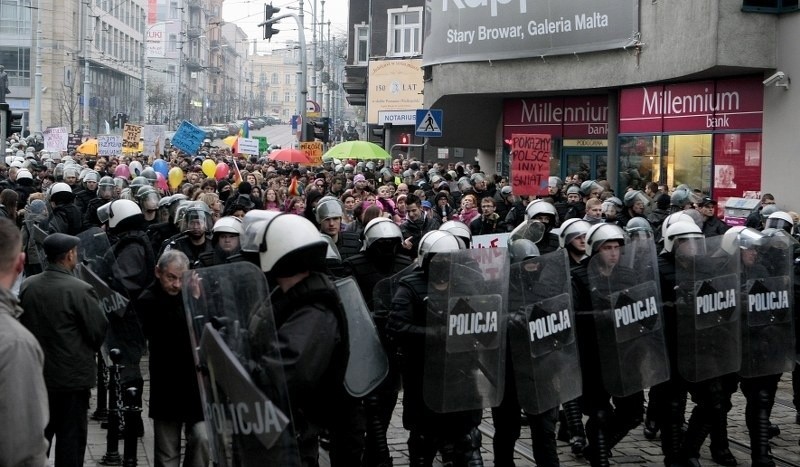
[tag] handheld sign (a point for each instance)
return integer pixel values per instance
(530, 164)
(188, 138)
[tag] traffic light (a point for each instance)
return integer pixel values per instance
(322, 129)
(310, 131)
(13, 120)
(269, 12)
(404, 138)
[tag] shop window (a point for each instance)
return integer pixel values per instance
(640, 161)
(689, 161)
(770, 6)
(737, 165)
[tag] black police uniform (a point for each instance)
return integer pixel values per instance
(430, 431)
(369, 268)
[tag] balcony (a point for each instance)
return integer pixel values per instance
(194, 33)
(193, 64)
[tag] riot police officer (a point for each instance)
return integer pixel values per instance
(507, 416)
(544, 212)
(105, 193)
(594, 282)
(290, 251)
(225, 237)
(132, 272)
(379, 262)
(195, 226)
(429, 431)
(88, 191)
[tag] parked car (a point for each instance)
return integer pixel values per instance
(210, 132)
(220, 131)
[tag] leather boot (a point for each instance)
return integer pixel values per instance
(376, 451)
(563, 433)
(421, 450)
(543, 440)
(700, 424)
(720, 450)
(577, 434)
(468, 450)
(757, 417)
(597, 434)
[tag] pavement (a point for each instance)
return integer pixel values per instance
(635, 449)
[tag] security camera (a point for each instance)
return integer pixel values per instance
(776, 79)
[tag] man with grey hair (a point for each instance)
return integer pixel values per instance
(174, 391)
(64, 314)
(21, 367)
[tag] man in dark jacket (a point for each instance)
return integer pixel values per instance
(64, 314)
(489, 222)
(712, 225)
(416, 225)
(65, 216)
(174, 391)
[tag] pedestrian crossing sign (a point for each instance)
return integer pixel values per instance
(428, 123)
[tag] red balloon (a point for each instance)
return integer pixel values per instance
(222, 171)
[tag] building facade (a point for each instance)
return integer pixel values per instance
(630, 91)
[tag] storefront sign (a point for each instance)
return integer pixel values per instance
(721, 105)
(394, 85)
(465, 31)
(570, 117)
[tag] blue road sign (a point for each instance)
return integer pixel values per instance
(429, 123)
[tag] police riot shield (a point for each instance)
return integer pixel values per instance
(367, 364)
(707, 305)
(466, 339)
(542, 333)
(768, 340)
(243, 387)
(632, 350)
(529, 230)
(95, 263)
(384, 291)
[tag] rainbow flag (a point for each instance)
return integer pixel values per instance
(244, 132)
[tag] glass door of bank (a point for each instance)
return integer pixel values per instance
(590, 164)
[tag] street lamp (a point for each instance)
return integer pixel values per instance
(142, 90)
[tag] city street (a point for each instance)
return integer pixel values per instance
(635, 449)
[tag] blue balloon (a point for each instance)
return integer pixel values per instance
(161, 166)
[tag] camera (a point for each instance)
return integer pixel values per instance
(776, 79)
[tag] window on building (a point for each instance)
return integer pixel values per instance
(173, 10)
(640, 161)
(172, 74)
(275, 79)
(287, 97)
(17, 62)
(288, 79)
(172, 43)
(15, 17)
(405, 32)
(770, 6)
(361, 45)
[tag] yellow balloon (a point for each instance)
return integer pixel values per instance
(209, 168)
(175, 177)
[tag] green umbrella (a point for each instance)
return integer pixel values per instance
(362, 150)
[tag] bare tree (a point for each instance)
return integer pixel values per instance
(159, 101)
(69, 111)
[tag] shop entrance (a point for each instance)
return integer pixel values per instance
(591, 164)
